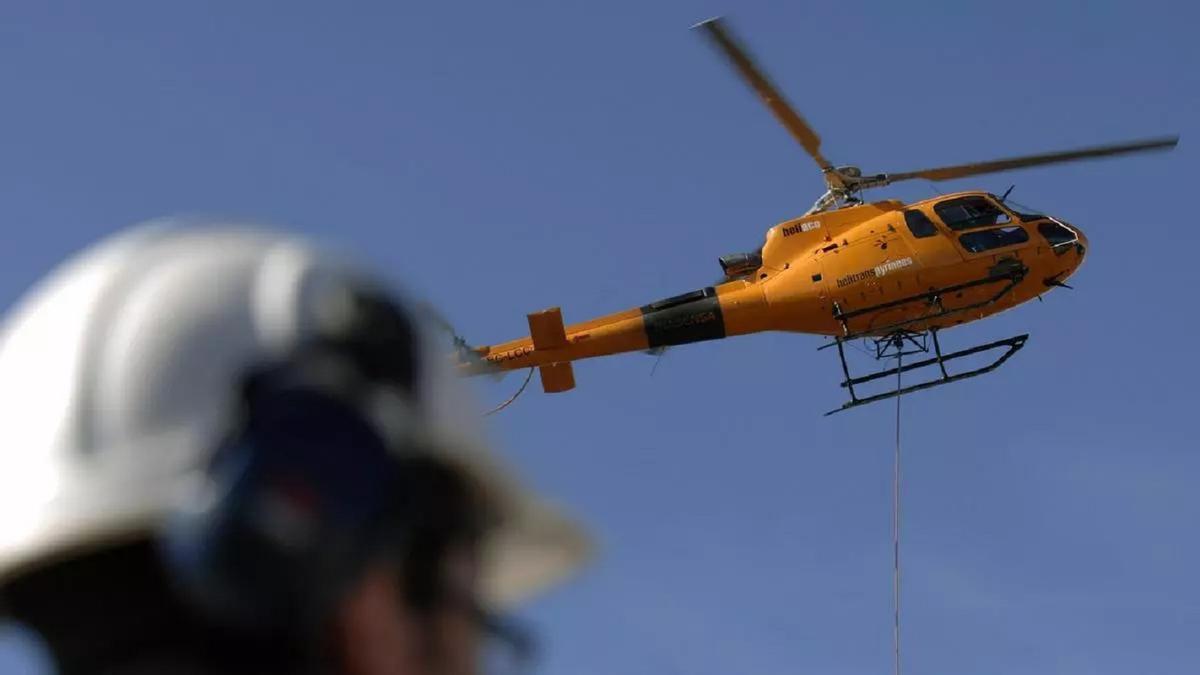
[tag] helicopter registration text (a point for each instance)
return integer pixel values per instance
(510, 354)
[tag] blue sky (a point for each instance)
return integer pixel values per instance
(504, 158)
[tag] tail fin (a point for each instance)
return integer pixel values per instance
(548, 333)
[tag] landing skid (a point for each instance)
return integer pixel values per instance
(904, 343)
(898, 341)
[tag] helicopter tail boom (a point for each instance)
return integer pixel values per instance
(705, 314)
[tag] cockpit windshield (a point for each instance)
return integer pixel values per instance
(965, 213)
(1058, 235)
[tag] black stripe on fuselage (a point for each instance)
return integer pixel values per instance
(691, 317)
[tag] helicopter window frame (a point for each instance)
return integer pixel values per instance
(992, 238)
(972, 216)
(919, 224)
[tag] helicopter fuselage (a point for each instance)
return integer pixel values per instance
(925, 265)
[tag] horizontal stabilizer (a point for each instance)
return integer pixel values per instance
(547, 332)
(557, 377)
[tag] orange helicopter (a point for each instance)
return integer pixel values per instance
(887, 271)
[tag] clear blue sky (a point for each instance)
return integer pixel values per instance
(504, 157)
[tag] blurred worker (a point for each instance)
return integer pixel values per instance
(225, 450)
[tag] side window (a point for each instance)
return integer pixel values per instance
(919, 224)
(965, 213)
(999, 237)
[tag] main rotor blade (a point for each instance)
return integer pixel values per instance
(787, 116)
(977, 168)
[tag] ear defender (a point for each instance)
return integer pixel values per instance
(295, 500)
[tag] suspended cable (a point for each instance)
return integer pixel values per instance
(658, 354)
(896, 525)
(502, 406)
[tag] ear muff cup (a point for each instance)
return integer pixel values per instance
(298, 497)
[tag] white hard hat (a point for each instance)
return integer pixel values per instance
(117, 374)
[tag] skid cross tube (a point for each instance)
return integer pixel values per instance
(1014, 344)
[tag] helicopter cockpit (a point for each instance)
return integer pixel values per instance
(982, 222)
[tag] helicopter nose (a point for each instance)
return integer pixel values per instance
(1063, 235)
(1081, 245)
(1069, 245)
